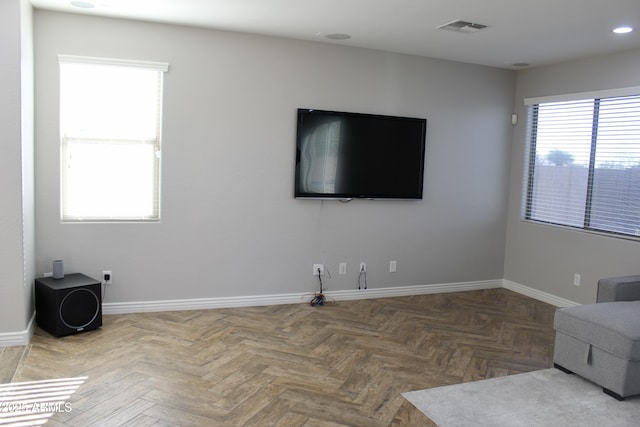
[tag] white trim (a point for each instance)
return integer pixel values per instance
(152, 65)
(11, 339)
(401, 291)
(607, 93)
(293, 298)
(539, 295)
(24, 337)
(201, 303)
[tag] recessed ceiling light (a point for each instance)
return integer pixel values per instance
(520, 64)
(83, 4)
(622, 30)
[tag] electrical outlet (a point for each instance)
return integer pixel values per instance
(107, 277)
(576, 280)
(393, 265)
(342, 268)
(317, 267)
(363, 267)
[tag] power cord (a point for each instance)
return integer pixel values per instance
(104, 292)
(318, 298)
(106, 277)
(363, 274)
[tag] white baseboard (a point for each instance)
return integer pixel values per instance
(401, 291)
(539, 295)
(11, 339)
(296, 298)
(293, 298)
(201, 303)
(24, 337)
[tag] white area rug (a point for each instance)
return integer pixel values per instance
(542, 398)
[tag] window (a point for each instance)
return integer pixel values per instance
(583, 162)
(110, 122)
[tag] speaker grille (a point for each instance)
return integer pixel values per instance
(79, 308)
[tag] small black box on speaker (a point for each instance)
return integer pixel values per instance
(69, 305)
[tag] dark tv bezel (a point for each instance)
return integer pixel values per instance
(350, 196)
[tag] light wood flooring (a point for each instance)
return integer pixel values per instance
(342, 364)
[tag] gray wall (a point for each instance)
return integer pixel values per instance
(17, 251)
(547, 257)
(230, 226)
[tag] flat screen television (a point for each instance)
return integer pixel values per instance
(347, 156)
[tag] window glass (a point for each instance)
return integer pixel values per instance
(110, 122)
(584, 164)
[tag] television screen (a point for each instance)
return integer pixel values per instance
(351, 155)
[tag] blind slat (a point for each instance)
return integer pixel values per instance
(583, 163)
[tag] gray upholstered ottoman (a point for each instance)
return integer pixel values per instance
(601, 342)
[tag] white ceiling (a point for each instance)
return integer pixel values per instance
(537, 32)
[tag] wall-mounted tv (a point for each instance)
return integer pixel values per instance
(343, 155)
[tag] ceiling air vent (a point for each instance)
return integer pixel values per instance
(460, 26)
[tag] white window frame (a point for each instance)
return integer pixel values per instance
(71, 139)
(615, 220)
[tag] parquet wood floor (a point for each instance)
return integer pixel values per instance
(343, 364)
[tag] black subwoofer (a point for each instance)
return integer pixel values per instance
(69, 305)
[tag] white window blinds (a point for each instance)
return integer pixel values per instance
(110, 125)
(583, 162)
